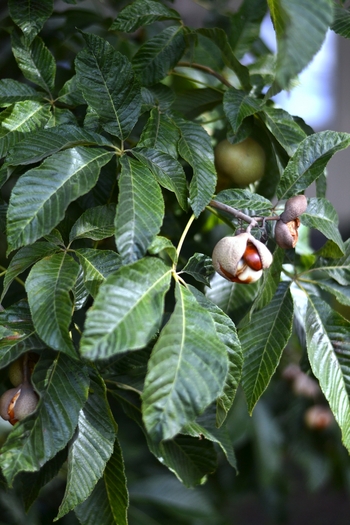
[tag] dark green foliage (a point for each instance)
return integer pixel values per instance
(109, 214)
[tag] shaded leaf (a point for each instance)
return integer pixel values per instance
(227, 334)
(309, 161)
(140, 210)
(21, 118)
(63, 386)
(48, 285)
(321, 215)
(159, 55)
(97, 265)
(95, 223)
(263, 341)
(338, 269)
(161, 244)
(12, 91)
(200, 267)
(108, 503)
(341, 293)
(160, 134)
(91, 447)
(195, 148)
(30, 15)
(251, 203)
(141, 13)
(128, 309)
(284, 128)
(187, 369)
(219, 37)
(167, 170)
(44, 142)
(245, 26)
(271, 279)
(57, 182)
(341, 21)
(238, 105)
(157, 96)
(23, 259)
(35, 61)
(107, 82)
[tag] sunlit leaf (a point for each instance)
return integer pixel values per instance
(107, 82)
(140, 210)
(95, 223)
(30, 15)
(48, 285)
(321, 215)
(128, 309)
(187, 369)
(58, 181)
(263, 341)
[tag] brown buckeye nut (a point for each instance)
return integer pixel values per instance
(318, 417)
(293, 208)
(18, 402)
(286, 234)
(241, 258)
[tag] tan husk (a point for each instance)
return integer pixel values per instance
(286, 234)
(293, 207)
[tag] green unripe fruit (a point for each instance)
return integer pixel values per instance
(241, 163)
(15, 373)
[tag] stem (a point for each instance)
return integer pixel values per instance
(4, 270)
(183, 236)
(206, 69)
(252, 221)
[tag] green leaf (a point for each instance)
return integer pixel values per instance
(271, 279)
(205, 426)
(23, 259)
(108, 503)
(301, 27)
(44, 142)
(35, 61)
(159, 55)
(12, 91)
(341, 21)
(327, 336)
(163, 244)
(338, 269)
(200, 267)
(167, 170)
(219, 37)
(251, 203)
(62, 383)
(108, 84)
(238, 105)
(91, 447)
(57, 182)
(233, 298)
(71, 93)
(284, 128)
(48, 285)
(190, 458)
(30, 15)
(227, 334)
(17, 334)
(97, 265)
(95, 223)
(263, 340)
(195, 148)
(321, 215)
(160, 133)
(141, 13)
(245, 26)
(187, 369)
(309, 161)
(22, 117)
(194, 102)
(32, 482)
(158, 96)
(341, 293)
(140, 210)
(128, 309)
